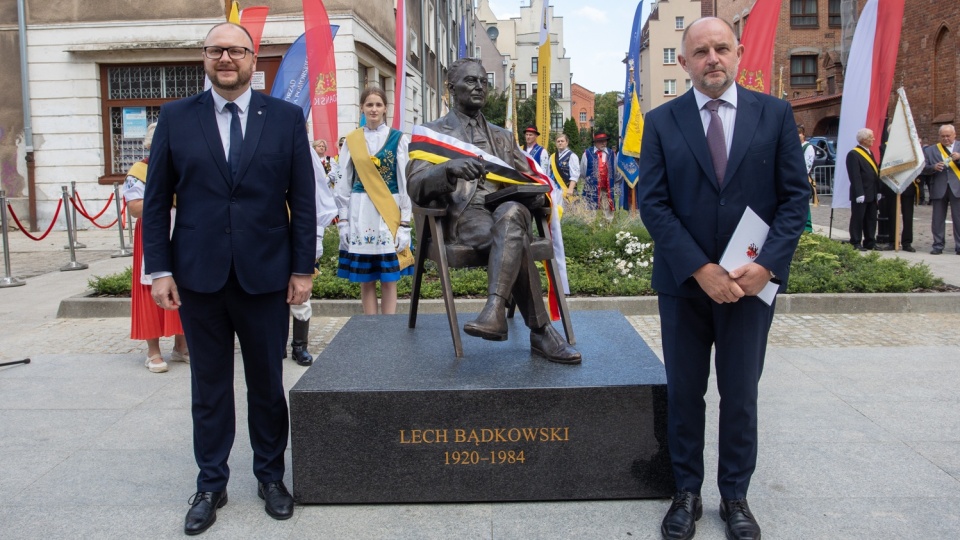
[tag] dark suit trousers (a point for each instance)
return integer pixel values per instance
(886, 215)
(259, 321)
(738, 331)
(863, 223)
(907, 201)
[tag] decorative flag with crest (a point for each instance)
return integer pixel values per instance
(400, 81)
(757, 40)
(292, 82)
(868, 82)
(543, 79)
(323, 72)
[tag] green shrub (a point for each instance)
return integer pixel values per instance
(615, 259)
(112, 285)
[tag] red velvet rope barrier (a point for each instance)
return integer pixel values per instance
(84, 208)
(24, 229)
(91, 219)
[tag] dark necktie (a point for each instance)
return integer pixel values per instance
(236, 139)
(716, 141)
(477, 137)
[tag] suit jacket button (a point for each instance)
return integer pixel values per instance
(723, 202)
(227, 230)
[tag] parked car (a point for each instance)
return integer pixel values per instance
(824, 163)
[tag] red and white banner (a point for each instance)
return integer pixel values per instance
(867, 85)
(323, 73)
(756, 66)
(253, 19)
(400, 82)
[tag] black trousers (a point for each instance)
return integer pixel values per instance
(259, 321)
(907, 201)
(886, 215)
(863, 223)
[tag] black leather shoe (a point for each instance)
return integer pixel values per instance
(909, 249)
(741, 525)
(279, 502)
(203, 510)
(491, 324)
(680, 523)
(936, 251)
(883, 247)
(548, 343)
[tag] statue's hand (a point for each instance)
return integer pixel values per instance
(466, 168)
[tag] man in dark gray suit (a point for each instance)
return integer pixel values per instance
(944, 174)
(505, 232)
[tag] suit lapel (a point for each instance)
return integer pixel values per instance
(748, 117)
(256, 118)
(687, 114)
(207, 117)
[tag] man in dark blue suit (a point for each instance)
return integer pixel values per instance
(236, 160)
(707, 156)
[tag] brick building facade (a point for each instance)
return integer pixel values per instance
(582, 102)
(808, 49)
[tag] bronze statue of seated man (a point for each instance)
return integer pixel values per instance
(504, 232)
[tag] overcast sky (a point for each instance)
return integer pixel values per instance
(596, 37)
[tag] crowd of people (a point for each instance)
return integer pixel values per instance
(873, 204)
(233, 205)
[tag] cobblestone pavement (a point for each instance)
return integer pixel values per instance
(843, 330)
(112, 335)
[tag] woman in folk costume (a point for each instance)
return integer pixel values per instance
(148, 321)
(374, 208)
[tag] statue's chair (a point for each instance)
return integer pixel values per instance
(429, 224)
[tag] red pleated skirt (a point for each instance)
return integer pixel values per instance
(147, 319)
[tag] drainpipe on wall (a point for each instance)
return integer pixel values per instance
(27, 119)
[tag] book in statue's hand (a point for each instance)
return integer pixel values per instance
(529, 195)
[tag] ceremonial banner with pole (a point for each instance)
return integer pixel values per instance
(543, 80)
(323, 73)
(903, 157)
(631, 128)
(400, 82)
(756, 66)
(511, 118)
(867, 84)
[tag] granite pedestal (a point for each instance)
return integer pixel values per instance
(387, 414)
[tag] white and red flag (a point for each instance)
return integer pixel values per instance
(867, 86)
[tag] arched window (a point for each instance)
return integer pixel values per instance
(944, 77)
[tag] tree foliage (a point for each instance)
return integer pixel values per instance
(606, 117)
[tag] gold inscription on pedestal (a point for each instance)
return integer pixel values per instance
(486, 436)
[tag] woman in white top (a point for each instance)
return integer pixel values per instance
(368, 249)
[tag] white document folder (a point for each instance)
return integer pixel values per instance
(745, 245)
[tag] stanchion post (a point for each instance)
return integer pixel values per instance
(73, 209)
(8, 280)
(73, 264)
(129, 227)
(124, 251)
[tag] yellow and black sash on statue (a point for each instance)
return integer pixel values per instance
(377, 189)
(952, 164)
